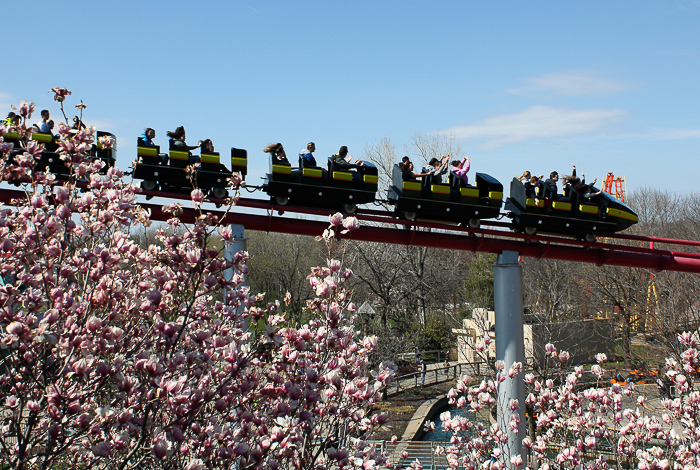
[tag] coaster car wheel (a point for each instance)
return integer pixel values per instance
(350, 207)
(219, 192)
(281, 200)
(474, 223)
(530, 230)
(409, 215)
(149, 185)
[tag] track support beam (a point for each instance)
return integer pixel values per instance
(510, 345)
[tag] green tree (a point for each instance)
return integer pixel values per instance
(477, 288)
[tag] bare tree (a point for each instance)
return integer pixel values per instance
(552, 289)
(424, 147)
(384, 155)
(669, 298)
(421, 149)
(380, 273)
(280, 264)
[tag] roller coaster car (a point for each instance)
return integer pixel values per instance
(453, 202)
(581, 217)
(50, 160)
(169, 172)
(312, 186)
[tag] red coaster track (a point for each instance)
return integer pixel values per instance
(382, 227)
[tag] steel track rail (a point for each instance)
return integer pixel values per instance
(395, 231)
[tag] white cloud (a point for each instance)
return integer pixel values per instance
(536, 122)
(572, 83)
(674, 134)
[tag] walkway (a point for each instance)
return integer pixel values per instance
(436, 373)
(407, 451)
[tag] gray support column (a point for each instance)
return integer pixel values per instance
(510, 344)
(239, 243)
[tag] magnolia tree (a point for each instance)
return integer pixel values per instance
(116, 355)
(581, 419)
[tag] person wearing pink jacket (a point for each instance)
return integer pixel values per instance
(460, 169)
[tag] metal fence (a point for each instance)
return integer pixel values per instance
(426, 452)
(405, 452)
(436, 374)
(434, 355)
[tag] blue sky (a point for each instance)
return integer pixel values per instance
(536, 85)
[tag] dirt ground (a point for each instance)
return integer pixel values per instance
(402, 406)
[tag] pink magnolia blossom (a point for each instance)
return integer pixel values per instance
(34, 148)
(15, 328)
(236, 179)
(25, 109)
(161, 448)
(350, 224)
(226, 233)
(106, 141)
(336, 219)
(550, 349)
(102, 449)
(197, 196)
(515, 369)
(60, 94)
(147, 351)
(144, 351)
(196, 464)
(334, 265)
(64, 130)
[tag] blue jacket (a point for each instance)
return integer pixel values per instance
(144, 140)
(309, 159)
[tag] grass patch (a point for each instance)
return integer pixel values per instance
(394, 408)
(651, 355)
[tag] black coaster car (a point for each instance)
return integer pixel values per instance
(582, 217)
(50, 161)
(452, 202)
(169, 173)
(313, 186)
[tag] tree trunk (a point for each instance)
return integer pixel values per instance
(421, 310)
(532, 427)
(626, 336)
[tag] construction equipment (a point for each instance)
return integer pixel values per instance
(620, 186)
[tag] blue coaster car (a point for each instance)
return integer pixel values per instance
(313, 186)
(50, 160)
(452, 202)
(582, 217)
(171, 173)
